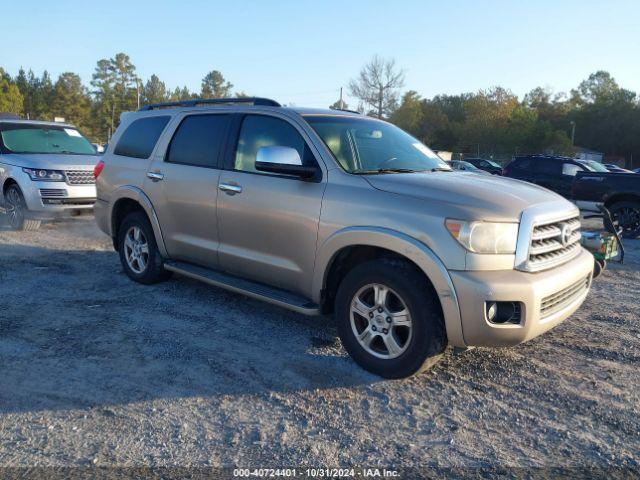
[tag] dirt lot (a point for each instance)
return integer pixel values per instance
(96, 369)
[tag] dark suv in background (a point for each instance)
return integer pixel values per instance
(587, 183)
(555, 173)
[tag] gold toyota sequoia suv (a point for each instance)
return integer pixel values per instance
(332, 212)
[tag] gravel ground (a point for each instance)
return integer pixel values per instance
(98, 370)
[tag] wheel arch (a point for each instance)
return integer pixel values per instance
(621, 197)
(128, 199)
(343, 243)
(7, 183)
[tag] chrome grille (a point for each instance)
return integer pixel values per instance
(52, 192)
(80, 177)
(554, 243)
(565, 297)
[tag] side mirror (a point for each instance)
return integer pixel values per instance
(284, 161)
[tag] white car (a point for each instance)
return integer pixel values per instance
(46, 170)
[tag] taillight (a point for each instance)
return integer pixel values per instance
(503, 172)
(98, 169)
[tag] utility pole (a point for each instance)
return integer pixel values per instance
(341, 101)
(573, 132)
(138, 91)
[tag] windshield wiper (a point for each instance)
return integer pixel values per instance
(387, 170)
(441, 169)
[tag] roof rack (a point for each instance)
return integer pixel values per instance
(212, 101)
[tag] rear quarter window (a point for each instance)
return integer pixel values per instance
(141, 136)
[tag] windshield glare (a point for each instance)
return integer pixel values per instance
(595, 166)
(364, 145)
(23, 138)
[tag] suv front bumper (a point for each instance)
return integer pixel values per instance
(564, 287)
(45, 199)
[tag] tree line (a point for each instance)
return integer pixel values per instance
(598, 114)
(114, 88)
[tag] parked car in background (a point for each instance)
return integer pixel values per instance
(329, 212)
(615, 168)
(585, 182)
(486, 165)
(99, 148)
(466, 166)
(555, 173)
(46, 170)
(594, 166)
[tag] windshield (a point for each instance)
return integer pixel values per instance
(364, 145)
(493, 164)
(595, 166)
(26, 138)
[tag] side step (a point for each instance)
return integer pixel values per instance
(249, 288)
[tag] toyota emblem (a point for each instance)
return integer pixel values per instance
(565, 234)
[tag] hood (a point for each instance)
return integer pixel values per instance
(488, 196)
(52, 161)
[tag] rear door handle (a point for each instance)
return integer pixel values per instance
(155, 176)
(230, 189)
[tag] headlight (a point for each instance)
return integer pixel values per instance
(41, 175)
(484, 237)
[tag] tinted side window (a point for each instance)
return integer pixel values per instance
(548, 167)
(262, 131)
(522, 164)
(571, 169)
(198, 140)
(139, 139)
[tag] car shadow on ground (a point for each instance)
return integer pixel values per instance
(75, 332)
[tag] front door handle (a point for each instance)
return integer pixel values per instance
(155, 176)
(230, 189)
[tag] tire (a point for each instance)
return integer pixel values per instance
(421, 337)
(626, 214)
(138, 250)
(17, 210)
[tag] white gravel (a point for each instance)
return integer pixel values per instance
(98, 370)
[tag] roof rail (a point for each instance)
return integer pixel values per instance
(345, 110)
(208, 101)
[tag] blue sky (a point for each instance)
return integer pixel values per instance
(303, 51)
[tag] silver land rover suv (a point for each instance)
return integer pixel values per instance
(46, 170)
(330, 212)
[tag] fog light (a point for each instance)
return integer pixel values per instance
(503, 312)
(492, 311)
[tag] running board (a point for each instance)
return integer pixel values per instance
(256, 290)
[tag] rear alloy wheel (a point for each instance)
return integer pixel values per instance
(17, 211)
(389, 318)
(139, 253)
(626, 215)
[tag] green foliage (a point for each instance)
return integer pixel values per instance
(606, 116)
(339, 106)
(154, 91)
(71, 101)
(214, 85)
(11, 100)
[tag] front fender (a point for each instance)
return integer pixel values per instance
(403, 245)
(136, 194)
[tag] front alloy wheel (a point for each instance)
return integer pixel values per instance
(15, 208)
(380, 321)
(389, 318)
